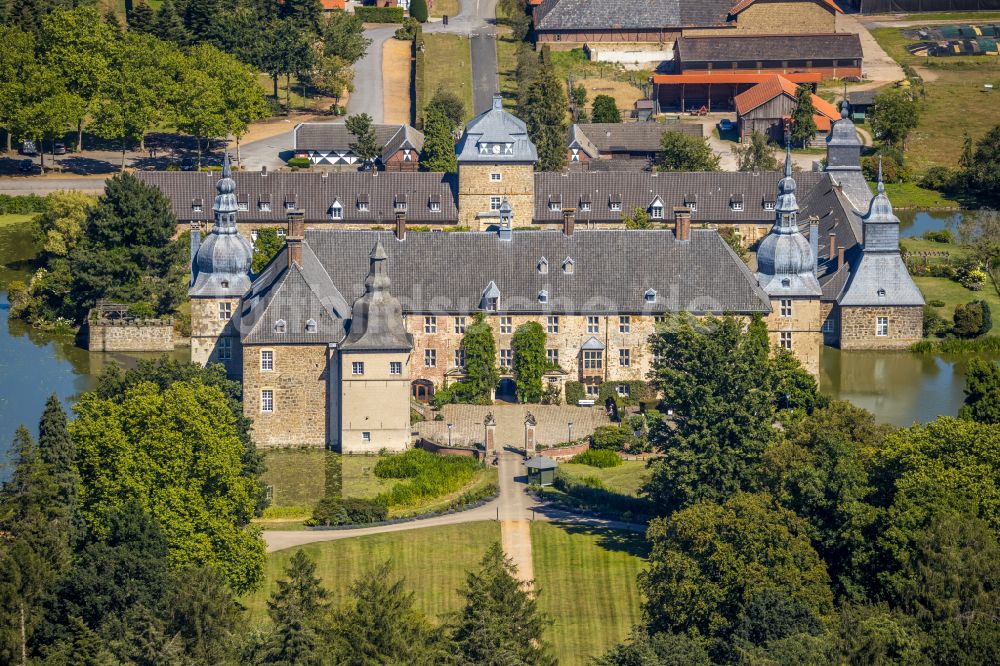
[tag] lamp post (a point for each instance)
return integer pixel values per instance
(450, 425)
(569, 427)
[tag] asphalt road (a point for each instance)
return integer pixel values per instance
(20, 185)
(485, 80)
(367, 96)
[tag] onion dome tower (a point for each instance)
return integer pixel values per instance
(221, 264)
(785, 261)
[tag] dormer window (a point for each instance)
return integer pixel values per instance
(691, 202)
(650, 296)
(736, 202)
(786, 283)
(399, 203)
(336, 211)
(264, 205)
(768, 205)
(311, 326)
(491, 298)
(585, 206)
(289, 205)
(197, 205)
(543, 296)
(279, 326)
(363, 203)
(567, 266)
(225, 284)
(656, 209)
(243, 204)
(555, 204)
(543, 266)
(615, 203)
(881, 293)
(434, 204)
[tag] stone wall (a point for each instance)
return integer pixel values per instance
(147, 336)
(209, 329)
(517, 183)
(298, 382)
(371, 412)
(858, 327)
(445, 450)
(830, 314)
(804, 326)
(564, 452)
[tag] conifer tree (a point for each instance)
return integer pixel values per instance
(168, 24)
(366, 145)
(141, 18)
(500, 623)
(803, 127)
(544, 112)
(605, 110)
(439, 145)
(57, 451)
(295, 608)
(418, 10)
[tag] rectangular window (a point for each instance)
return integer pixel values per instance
(435, 207)
(494, 203)
(625, 324)
(430, 324)
(656, 212)
(395, 367)
(506, 358)
(737, 205)
(623, 390)
(460, 324)
(358, 368)
(337, 213)
(264, 206)
(786, 307)
(768, 205)
(366, 436)
(881, 326)
(552, 356)
(552, 325)
(267, 401)
(495, 177)
(243, 205)
(785, 339)
(225, 311)
(593, 360)
(225, 349)
(506, 326)
(363, 206)
(593, 324)
(828, 325)
(459, 358)
(555, 206)
(430, 358)
(616, 205)
(625, 357)
(585, 206)
(593, 390)
(266, 360)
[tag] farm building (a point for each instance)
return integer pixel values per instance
(766, 107)
(714, 92)
(329, 144)
(620, 141)
(834, 55)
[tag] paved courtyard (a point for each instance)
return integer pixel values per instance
(551, 428)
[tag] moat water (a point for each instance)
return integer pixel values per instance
(899, 387)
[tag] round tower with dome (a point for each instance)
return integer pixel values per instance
(220, 275)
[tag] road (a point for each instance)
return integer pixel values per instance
(15, 185)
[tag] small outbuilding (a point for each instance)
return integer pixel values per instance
(541, 470)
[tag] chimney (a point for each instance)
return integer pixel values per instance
(400, 225)
(195, 244)
(833, 245)
(296, 234)
(569, 221)
(840, 257)
(682, 223)
(814, 241)
(263, 170)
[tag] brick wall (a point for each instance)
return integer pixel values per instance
(804, 327)
(858, 327)
(298, 382)
(517, 183)
(151, 336)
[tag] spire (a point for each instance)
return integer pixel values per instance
(378, 270)
(377, 317)
(786, 206)
(881, 185)
(225, 206)
(222, 264)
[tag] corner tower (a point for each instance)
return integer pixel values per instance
(220, 269)
(786, 271)
(496, 159)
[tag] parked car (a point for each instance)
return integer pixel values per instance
(59, 148)
(726, 125)
(28, 148)
(28, 167)
(189, 164)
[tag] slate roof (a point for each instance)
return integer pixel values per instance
(711, 192)
(624, 137)
(862, 97)
(315, 194)
(334, 136)
(630, 14)
(496, 127)
(839, 46)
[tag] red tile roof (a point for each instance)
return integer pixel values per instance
(776, 85)
(743, 4)
(329, 5)
(723, 77)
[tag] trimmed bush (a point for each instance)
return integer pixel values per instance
(936, 303)
(972, 319)
(380, 14)
(574, 393)
(418, 10)
(299, 162)
(600, 458)
(22, 204)
(351, 511)
(613, 438)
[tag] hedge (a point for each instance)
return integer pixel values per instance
(380, 14)
(574, 392)
(427, 476)
(638, 390)
(600, 458)
(22, 204)
(419, 74)
(300, 162)
(350, 511)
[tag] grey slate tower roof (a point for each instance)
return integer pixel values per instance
(496, 137)
(843, 145)
(881, 277)
(222, 266)
(377, 317)
(785, 262)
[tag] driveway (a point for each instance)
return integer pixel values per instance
(878, 66)
(367, 96)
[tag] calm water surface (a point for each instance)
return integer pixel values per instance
(913, 223)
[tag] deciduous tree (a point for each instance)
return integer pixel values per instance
(344, 36)
(605, 110)
(451, 105)
(365, 145)
(893, 117)
(480, 349)
(982, 392)
(267, 244)
(61, 225)
(757, 154)
(680, 152)
(803, 122)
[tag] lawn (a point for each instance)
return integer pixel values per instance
(449, 67)
(10, 219)
(952, 293)
(911, 195)
(507, 66)
(624, 479)
(432, 560)
(964, 17)
(586, 577)
(444, 8)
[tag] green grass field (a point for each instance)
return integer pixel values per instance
(445, 8)
(432, 560)
(449, 67)
(911, 195)
(587, 583)
(952, 293)
(10, 219)
(625, 479)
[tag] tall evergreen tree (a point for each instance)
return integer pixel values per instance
(803, 124)
(365, 145)
(201, 19)
(500, 623)
(439, 144)
(57, 451)
(296, 608)
(543, 110)
(168, 25)
(605, 110)
(982, 392)
(305, 14)
(141, 18)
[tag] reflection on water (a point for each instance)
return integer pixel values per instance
(899, 387)
(913, 223)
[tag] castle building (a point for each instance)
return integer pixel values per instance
(347, 324)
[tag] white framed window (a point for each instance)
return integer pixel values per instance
(225, 311)
(225, 349)
(243, 205)
(366, 437)
(282, 233)
(785, 339)
(266, 360)
(552, 324)
(337, 212)
(310, 326)
(828, 325)
(615, 205)
(289, 205)
(495, 203)
(358, 368)
(460, 324)
(395, 367)
(737, 205)
(279, 326)
(881, 327)
(585, 206)
(492, 304)
(650, 296)
(625, 324)
(625, 357)
(506, 325)
(656, 212)
(786, 307)
(593, 360)
(555, 206)
(623, 390)
(506, 358)
(196, 207)
(363, 206)
(543, 266)
(593, 324)
(568, 266)
(430, 358)
(495, 177)
(267, 401)
(593, 390)
(435, 206)
(459, 358)
(264, 206)
(552, 356)
(430, 324)
(768, 205)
